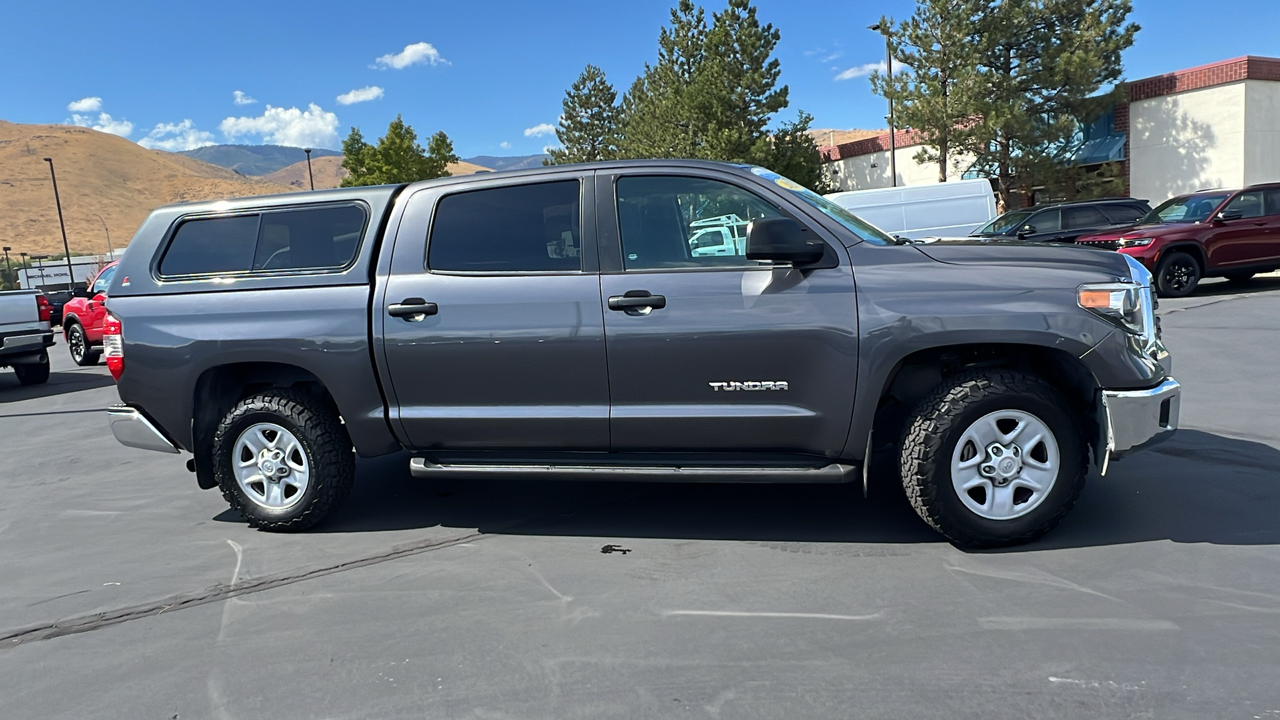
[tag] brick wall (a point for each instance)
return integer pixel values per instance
(1219, 73)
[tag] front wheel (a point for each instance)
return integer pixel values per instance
(283, 459)
(993, 458)
(1177, 275)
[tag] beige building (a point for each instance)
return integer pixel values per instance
(1217, 125)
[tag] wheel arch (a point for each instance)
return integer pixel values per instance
(1190, 248)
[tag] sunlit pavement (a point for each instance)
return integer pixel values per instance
(128, 592)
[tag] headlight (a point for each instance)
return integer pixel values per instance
(1134, 242)
(1122, 303)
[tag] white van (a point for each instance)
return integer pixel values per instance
(948, 209)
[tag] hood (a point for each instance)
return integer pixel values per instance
(981, 252)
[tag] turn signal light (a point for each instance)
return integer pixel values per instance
(44, 308)
(113, 345)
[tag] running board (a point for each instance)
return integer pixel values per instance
(833, 473)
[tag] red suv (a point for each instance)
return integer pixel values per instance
(1212, 233)
(82, 318)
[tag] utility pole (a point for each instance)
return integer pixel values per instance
(309, 175)
(893, 140)
(71, 273)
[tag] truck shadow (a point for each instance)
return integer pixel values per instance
(1196, 488)
(59, 383)
(1212, 287)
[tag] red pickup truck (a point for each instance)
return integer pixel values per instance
(82, 319)
(1212, 233)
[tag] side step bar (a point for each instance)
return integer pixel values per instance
(833, 473)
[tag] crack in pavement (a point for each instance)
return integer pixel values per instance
(87, 623)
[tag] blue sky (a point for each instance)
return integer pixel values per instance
(490, 73)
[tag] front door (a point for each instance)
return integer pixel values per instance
(1243, 240)
(493, 337)
(718, 353)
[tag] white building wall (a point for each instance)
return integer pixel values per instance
(1187, 142)
(857, 173)
(1261, 131)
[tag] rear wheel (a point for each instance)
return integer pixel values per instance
(1177, 275)
(36, 373)
(993, 458)
(1239, 278)
(283, 459)
(78, 344)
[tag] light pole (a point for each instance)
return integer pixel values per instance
(8, 271)
(309, 175)
(71, 273)
(25, 266)
(40, 266)
(110, 253)
(888, 91)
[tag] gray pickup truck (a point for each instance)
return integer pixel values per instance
(557, 323)
(25, 335)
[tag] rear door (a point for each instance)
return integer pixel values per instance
(492, 328)
(718, 353)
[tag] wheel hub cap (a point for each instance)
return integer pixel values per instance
(271, 466)
(1005, 464)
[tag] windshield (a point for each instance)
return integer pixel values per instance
(851, 222)
(1188, 209)
(1006, 224)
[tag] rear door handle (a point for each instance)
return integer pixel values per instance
(637, 302)
(412, 309)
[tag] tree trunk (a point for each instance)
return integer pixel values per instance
(943, 144)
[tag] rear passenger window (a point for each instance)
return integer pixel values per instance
(314, 238)
(1074, 218)
(1124, 213)
(521, 228)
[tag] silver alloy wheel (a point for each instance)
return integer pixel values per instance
(1005, 464)
(76, 341)
(270, 466)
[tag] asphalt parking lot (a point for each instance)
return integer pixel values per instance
(127, 592)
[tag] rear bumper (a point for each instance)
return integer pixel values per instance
(15, 345)
(133, 429)
(1134, 420)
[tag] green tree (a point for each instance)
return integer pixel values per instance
(936, 97)
(1043, 62)
(735, 91)
(397, 158)
(657, 118)
(588, 128)
(794, 154)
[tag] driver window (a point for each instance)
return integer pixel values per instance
(686, 222)
(103, 282)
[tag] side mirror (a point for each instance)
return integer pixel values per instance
(1229, 215)
(782, 240)
(100, 298)
(80, 292)
(1026, 230)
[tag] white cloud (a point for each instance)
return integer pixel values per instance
(176, 137)
(373, 92)
(242, 99)
(86, 105)
(313, 127)
(415, 54)
(540, 130)
(504, 145)
(858, 71)
(833, 56)
(103, 123)
(546, 149)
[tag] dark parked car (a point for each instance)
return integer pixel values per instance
(1066, 221)
(556, 323)
(1224, 233)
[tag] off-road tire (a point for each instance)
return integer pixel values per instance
(88, 355)
(1166, 286)
(329, 455)
(33, 373)
(935, 428)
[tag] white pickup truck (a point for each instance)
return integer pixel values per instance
(25, 334)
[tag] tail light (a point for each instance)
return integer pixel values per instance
(113, 345)
(44, 308)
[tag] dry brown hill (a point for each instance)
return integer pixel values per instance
(98, 175)
(329, 173)
(827, 138)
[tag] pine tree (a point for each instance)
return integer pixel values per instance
(357, 159)
(735, 91)
(439, 156)
(794, 155)
(588, 128)
(657, 119)
(936, 96)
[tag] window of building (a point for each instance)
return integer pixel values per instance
(519, 228)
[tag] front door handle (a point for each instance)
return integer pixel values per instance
(412, 309)
(637, 302)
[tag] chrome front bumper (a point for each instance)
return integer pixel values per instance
(1132, 420)
(133, 429)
